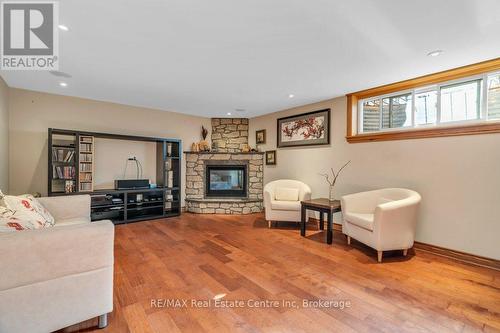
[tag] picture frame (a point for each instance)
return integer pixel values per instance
(271, 157)
(306, 129)
(260, 137)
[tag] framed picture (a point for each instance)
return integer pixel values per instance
(307, 129)
(271, 157)
(260, 137)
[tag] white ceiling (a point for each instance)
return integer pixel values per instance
(209, 57)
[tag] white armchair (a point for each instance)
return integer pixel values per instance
(382, 219)
(282, 200)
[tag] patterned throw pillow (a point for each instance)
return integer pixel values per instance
(10, 224)
(27, 208)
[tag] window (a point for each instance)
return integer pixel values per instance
(371, 116)
(425, 106)
(461, 101)
(396, 111)
(493, 96)
(472, 99)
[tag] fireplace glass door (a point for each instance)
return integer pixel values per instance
(226, 181)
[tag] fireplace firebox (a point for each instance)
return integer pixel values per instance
(223, 181)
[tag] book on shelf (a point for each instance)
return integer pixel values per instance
(169, 149)
(66, 172)
(86, 139)
(85, 157)
(85, 167)
(86, 147)
(85, 177)
(62, 155)
(85, 186)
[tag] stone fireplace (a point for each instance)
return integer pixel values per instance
(225, 181)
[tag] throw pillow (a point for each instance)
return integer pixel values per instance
(287, 194)
(10, 224)
(27, 208)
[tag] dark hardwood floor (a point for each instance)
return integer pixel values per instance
(200, 256)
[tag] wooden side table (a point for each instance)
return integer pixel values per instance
(321, 205)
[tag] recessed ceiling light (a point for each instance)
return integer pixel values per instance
(291, 96)
(435, 53)
(60, 74)
(239, 110)
(63, 84)
(229, 113)
(63, 27)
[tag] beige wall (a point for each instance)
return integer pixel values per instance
(458, 177)
(4, 136)
(111, 157)
(32, 113)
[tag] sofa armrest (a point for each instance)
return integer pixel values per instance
(68, 207)
(33, 256)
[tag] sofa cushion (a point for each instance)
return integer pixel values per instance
(71, 221)
(285, 205)
(286, 194)
(10, 224)
(364, 221)
(27, 208)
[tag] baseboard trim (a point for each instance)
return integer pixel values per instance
(463, 257)
(460, 256)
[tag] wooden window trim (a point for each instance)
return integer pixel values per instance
(437, 131)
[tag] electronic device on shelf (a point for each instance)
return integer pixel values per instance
(101, 200)
(130, 184)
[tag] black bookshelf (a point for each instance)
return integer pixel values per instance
(120, 206)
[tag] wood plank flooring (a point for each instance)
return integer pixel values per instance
(200, 256)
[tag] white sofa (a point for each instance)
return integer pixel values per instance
(59, 276)
(382, 219)
(284, 210)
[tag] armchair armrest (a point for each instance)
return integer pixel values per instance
(305, 194)
(68, 207)
(395, 222)
(268, 195)
(49, 253)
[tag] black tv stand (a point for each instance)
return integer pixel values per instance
(134, 205)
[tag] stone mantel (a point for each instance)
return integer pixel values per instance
(225, 153)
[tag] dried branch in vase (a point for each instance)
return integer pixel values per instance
(334, 175)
